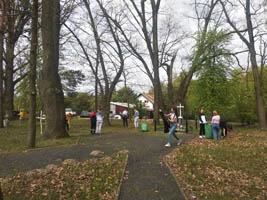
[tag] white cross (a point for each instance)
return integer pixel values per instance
(180, 109)
(41, 121)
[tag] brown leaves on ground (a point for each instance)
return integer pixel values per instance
(92, 179)
(226, 169)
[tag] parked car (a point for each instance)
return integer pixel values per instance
(85, 114)
(117, 117)
(70, 111)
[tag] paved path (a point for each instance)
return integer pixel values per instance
(148, 178)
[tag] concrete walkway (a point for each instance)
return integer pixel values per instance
(148, 178)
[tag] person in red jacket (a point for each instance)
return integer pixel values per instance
(93, 122)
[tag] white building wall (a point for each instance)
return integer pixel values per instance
(145, 102)
(113, 109)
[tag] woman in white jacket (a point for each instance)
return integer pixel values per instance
(99, 120)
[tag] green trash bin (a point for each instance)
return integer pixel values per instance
(144, 127)
(208, 132)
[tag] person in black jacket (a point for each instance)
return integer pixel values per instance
(202, 122)
(93, 122)
(165, 122)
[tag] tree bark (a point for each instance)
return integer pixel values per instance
(158, 99)
(32, 75)
(10, 47)
(2, 34)
(1, 79)
(170, 82)
(184, 85)
(9, 83)
(50, 84)
(106, 109)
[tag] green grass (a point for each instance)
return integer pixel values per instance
(16, 138)
(234, 168)
(91, 179)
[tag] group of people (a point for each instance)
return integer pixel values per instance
(216, 125)
(124, 116)
(97, 119)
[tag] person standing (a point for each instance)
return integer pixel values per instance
(99, 120)
(68, 118)
(136, 118)
(173, 125)
(202, 122)
(125, 118)
(215, 125)
(93, 122)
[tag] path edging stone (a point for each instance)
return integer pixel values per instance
(177, 182)
(122, 176)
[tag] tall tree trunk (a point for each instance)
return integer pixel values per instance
(3, 20)
(50, 84)
(170, 83)
(96, 89)
(106, 109)
(32, 75)
(1, 78)
(16, 21)
(9, 83)
(250, 43)
(158, 100)
(10, 46)
(257, 81)
(184, 85)
(253, 59)
(170, 91)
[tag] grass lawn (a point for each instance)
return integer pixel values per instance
(16, 138)
(92, 179)
(229, 169)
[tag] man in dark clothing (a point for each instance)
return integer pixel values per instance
(225, 127)
(165, 122)
(125, 118)
(93, 122)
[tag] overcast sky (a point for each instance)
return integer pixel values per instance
(138, 81)
(181, 10)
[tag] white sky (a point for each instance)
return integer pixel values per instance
(138, 81)
(181, 9)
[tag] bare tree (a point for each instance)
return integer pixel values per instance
(50, 85)
(2, 33)
(18, 15)
(168, 65)
(249, 41)
(32, 75)
(207, 10)
(105, 54)
(146, 28)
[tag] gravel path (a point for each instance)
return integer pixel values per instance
(148, 178)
